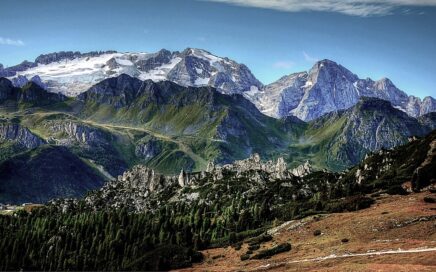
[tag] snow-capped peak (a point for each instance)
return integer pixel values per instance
(72, 73)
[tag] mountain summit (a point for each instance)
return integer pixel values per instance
(329, 87)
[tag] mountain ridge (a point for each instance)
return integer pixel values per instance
(327, 86)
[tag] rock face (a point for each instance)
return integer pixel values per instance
(21, 135)
(72, 73)
(329, 87)
(76, 132)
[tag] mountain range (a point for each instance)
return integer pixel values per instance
(326, 87)
(109, 111)
(123, 121)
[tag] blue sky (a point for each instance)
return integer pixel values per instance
(373, 38)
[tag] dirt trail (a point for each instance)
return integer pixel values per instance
(346, 255)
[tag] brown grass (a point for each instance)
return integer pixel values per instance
(384, 226)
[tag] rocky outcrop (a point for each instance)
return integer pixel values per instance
(141, 188)
(424, 174)
(71, 132)
(302, 170)
(20, 135)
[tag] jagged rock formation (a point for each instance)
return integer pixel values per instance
(142, 189)
(302, 170)
(75, 132)
(139, 187)
(20, 135)
(330, 87)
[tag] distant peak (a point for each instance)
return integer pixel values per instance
(384, 83)
(326, 61)
(327, 66)
(193, 51)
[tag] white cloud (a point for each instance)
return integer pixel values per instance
(283, 64)
(350, 7)
(309, 58)
(8, 41)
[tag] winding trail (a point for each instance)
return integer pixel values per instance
(346, 255)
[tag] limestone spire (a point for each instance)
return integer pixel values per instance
(182, 178)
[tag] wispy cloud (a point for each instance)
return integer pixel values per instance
(309, 58)
(362, 8)
(8, 41)
(283, 64)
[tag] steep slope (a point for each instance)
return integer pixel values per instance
(339, 140)
(225, 127)
(72, 73)
(329, 87)
(46, 173)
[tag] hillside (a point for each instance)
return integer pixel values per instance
(396, 234)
